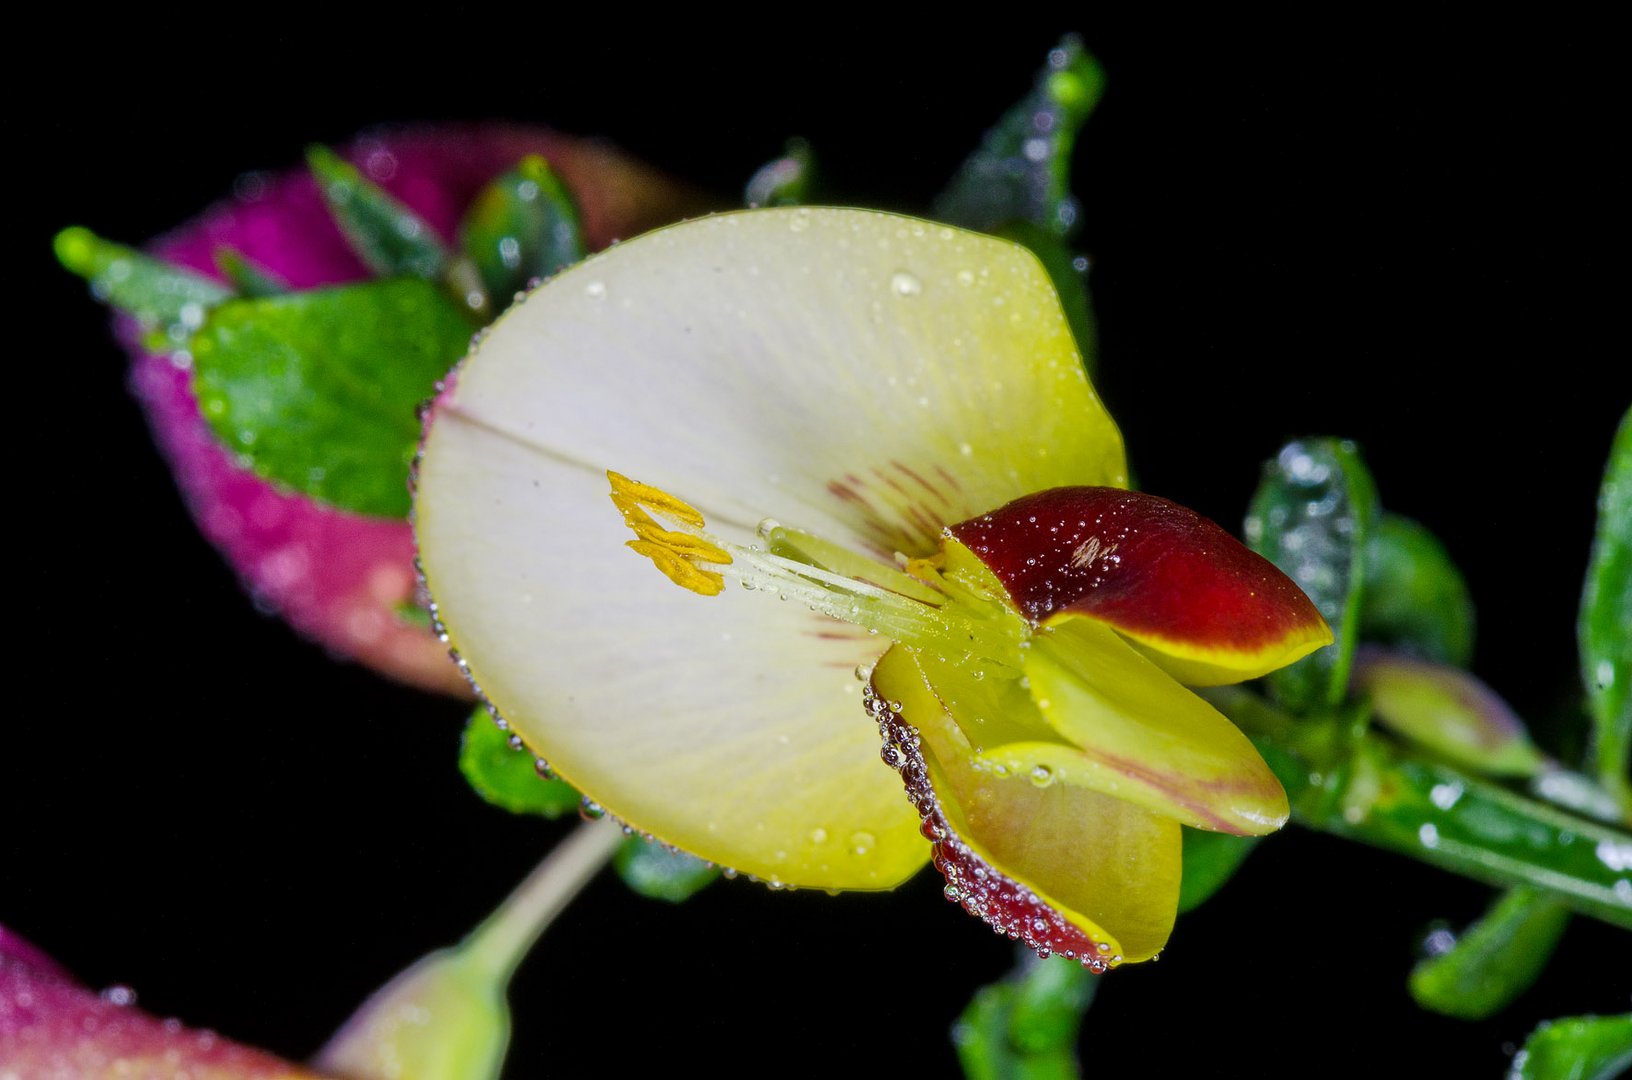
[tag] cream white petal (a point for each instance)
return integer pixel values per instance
(861, 376)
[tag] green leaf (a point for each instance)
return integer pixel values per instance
(786, 181)
(1577, 1048)
(1027, 1025)
(524, 225)
(391, 239)
(1414, 598)
(654, 871)
(161, 297)
(1022, 170)
(1311, 516)
(1495, 960)
(1605, 629)
(1210, 859)
(509, 778)
(248, 279)
(320, 389)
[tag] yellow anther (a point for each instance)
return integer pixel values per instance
(676, 552)
(678, 569)
(628, 493)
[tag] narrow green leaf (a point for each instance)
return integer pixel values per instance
(786, 181)
(1495, 960)
(1311, 516)
(1027, 1025)
(1605, 628)
(1022, 170)
(509, 778)
(1051, 997)
(1210, 859)
(320, 389)
(1415, 599)
(1577, 1048)
(249, 279)
(654, 871)
(1445, 818)
(162, 298)
(524, 225)
(391, 239)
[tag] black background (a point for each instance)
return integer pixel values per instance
(1396, 233)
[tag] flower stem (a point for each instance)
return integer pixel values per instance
(503, 939)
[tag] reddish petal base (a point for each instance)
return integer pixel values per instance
(1001, 902)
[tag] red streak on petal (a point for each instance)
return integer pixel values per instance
(1140, 563)
(925, 484)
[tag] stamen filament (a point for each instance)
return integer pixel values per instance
(936, 614)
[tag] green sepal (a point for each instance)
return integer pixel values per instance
(783, 181)
(1210, 859)
(1022, 169)
(658, 873)
(1495, 960)
(1577, 1048)
(166, 300)
(248, 279)
(1605, 627)
(1068, 271)
(1447, 711)
(1415, 598)
(1312, 516)
(320, 389)
(389, 238)
(1026, 1025)
(509, 778)
(524, 225)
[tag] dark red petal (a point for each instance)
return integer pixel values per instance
(1161, 574)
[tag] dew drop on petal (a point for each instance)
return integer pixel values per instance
(905, 284)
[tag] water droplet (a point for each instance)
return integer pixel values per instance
(590, 810)
(767, 527)
(1428, 835)
(966, 277)
(595, 290)
(905, 284)
(119, 994)
(1042, 775)
(818, 835)
(542, 768)
(861, 843)
(800, 221)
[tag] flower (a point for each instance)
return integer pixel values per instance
(344, 579)
(889, 388)
(52, 1027)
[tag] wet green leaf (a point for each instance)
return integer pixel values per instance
(1415, 599)
(1312, 516)
(248, 279)
(654, 871)
(1495, 960)
(1022, 170)
(391, 239)
(524, 225)
(784, 181)
(1026, 1026)
(506, 777)
(1605, 628)
(1210, 859)
(1577, 1048)
(165, 299)
(320, 389)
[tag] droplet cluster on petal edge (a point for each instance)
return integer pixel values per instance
(1004, 904)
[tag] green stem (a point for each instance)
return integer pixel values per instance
(1347, 781)
(503, 939)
